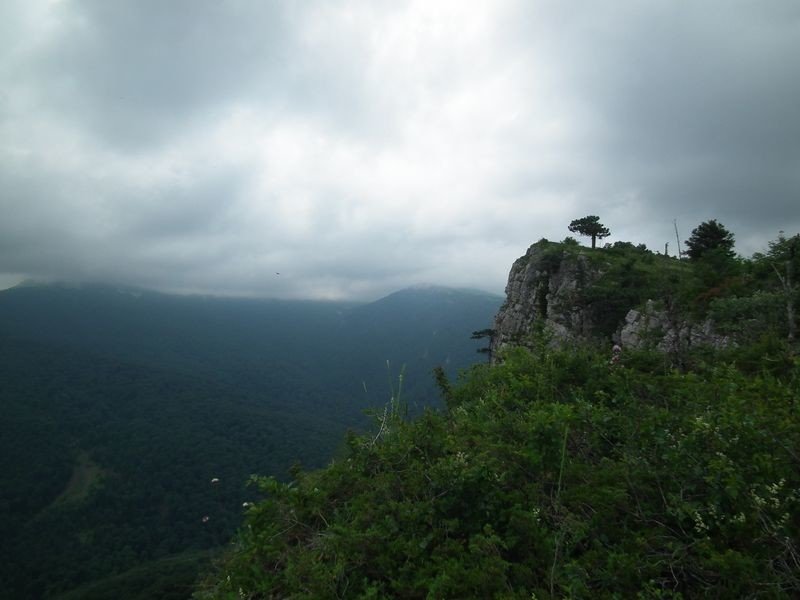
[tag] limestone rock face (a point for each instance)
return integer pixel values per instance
(545, 286)
(552, 288)
(653, 328)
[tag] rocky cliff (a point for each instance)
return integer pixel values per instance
(657, 328)
(574, 294)
(546, 288)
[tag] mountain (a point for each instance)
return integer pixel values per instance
(417, 328)
(120, 406)
(283, 349)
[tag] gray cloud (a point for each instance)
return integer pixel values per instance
(133, 73)
(360, 147)
(696, 108)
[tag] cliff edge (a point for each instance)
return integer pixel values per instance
(621, 294)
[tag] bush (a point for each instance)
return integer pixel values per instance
(551, 475)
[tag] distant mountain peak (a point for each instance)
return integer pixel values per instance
(441, 289)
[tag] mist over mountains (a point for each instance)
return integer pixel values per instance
(265, 346)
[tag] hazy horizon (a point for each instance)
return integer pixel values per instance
(191, 293)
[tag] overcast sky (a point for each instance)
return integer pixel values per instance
(360, 147)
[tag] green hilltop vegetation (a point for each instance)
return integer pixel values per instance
(569, 471)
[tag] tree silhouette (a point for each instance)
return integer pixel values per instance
(710, 236)
(590, 226)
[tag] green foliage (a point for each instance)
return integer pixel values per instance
(630, 276)
(171, 578)
(786, 253)
(570, 242)
(625, 284)
(748, 317)
(590, 226)
(553, 474)
(550, 259)
(710, 237)
(106, 466)
(761, 298)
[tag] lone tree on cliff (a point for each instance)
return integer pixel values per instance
(590, 226)
(707, 237)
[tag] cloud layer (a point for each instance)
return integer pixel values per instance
(359, 147)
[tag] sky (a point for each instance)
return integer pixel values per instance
(347, 149)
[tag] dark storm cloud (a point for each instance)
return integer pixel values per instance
(695, 107)
(134, 72)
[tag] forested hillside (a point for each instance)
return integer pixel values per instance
(107, 464)
(283, 350)
(569, 470)
(121, 406)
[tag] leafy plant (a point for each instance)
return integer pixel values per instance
(537, 482)
(708, 237)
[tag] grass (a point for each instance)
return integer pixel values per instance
(85, 474)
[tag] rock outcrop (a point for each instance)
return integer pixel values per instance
(556, 288)
(545, 289)
(653, 328)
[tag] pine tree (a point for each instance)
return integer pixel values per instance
(590, 226)
(707, 237)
